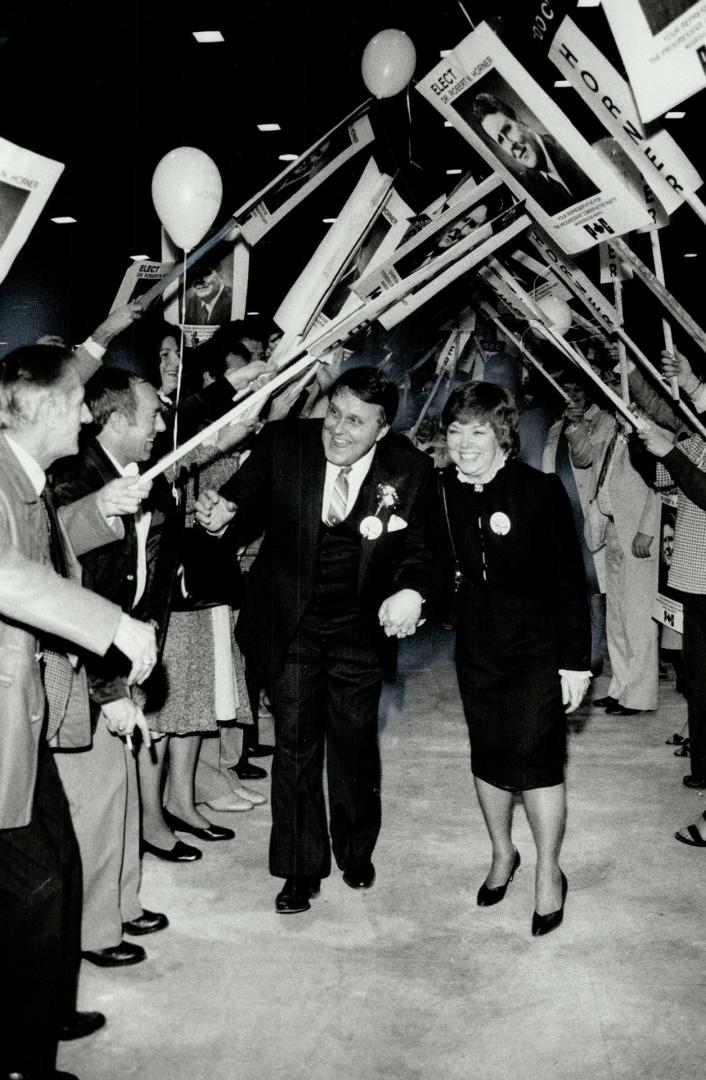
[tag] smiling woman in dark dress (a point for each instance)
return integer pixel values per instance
(522, 632)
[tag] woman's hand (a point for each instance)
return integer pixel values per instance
(656, 439)
(213, 512)
(574, 685)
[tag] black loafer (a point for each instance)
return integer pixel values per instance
(181, 852)
(360, 877)
(694, 782)
(604, 702)
(296, 894)
(246, 771)
(544, 924)
(488, 896)
(622, 710)
(260, 750)
(117, 955)
(149, 922)
(80, 1025)
(211, 832)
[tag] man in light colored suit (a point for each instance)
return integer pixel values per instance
(42, 608)
(631, 510)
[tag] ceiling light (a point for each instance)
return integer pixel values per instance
(588, 3)
(288, 157)
(64, 220)
(674, 115)
(454, 172)
(140, 258)
(252, 312)
(561, 83)
(691, 254)
(444, 52)
(329, 220)
(447, 123)
(268, 127)
(205, 37)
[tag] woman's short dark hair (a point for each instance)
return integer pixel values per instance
(369, 385)
(485, 403)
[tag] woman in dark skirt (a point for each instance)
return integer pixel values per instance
(522, 632)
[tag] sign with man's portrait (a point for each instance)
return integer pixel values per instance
(509, 119)
(663, 47)
(668, 608)
(26, 182)
(304, 175)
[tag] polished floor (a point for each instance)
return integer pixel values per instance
(411, 980)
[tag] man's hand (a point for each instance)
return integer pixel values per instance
(656, 439)
(399, 614)
(123, 716)
(641, 545)
(213, 512)
(137, 640)
(676, 366)
(282, 403)
(233, 434)
(116, 322)
(242, 378)
(574, 685)
(574, 413)
(122, 495)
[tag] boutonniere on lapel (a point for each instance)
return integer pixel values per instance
(371, 527)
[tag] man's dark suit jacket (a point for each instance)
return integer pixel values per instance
(219, 315)
(111, 570)
(279, 492)
(550, 196)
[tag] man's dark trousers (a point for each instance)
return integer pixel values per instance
(325, 700)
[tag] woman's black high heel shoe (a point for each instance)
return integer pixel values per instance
(544, 924)
(487, 896)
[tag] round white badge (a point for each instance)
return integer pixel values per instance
(371, 527)
(500, 523)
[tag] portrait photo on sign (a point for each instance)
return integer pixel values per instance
(304, 171)
(515, 135)
(209, 293)
(481, 220)
(666, 546)
(12, 199)
(660, 13)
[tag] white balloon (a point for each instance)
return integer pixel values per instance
(557, 311)
(388, 63)
(186, 191)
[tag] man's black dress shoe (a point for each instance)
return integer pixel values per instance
(622, 710)
(246, 771)
(181, 852)
(694, 782)
(360, 877)
(260, 750)
(604, 702)
(117, 955)
(81, 1024)
(296, 894)
(55, 1075)
(488, 896)
(212, 832)
(146, 923)
(544, 924)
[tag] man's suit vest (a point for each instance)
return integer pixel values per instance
(335, 594)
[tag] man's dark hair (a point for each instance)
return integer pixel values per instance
(112, 390)
(369, 385)
(27, 375)
(487, 104)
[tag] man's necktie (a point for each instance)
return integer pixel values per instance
(339, 497)
(58, 672)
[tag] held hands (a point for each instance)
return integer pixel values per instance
(641, 545)
(123, 716)
(137, 640)
(122, 495)
(574, 685)
(213, 512)
(399, 615)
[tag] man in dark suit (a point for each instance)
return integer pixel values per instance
(343, 567)
(137, 572)
(42, 608)
(542, 166)
(208, 301)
